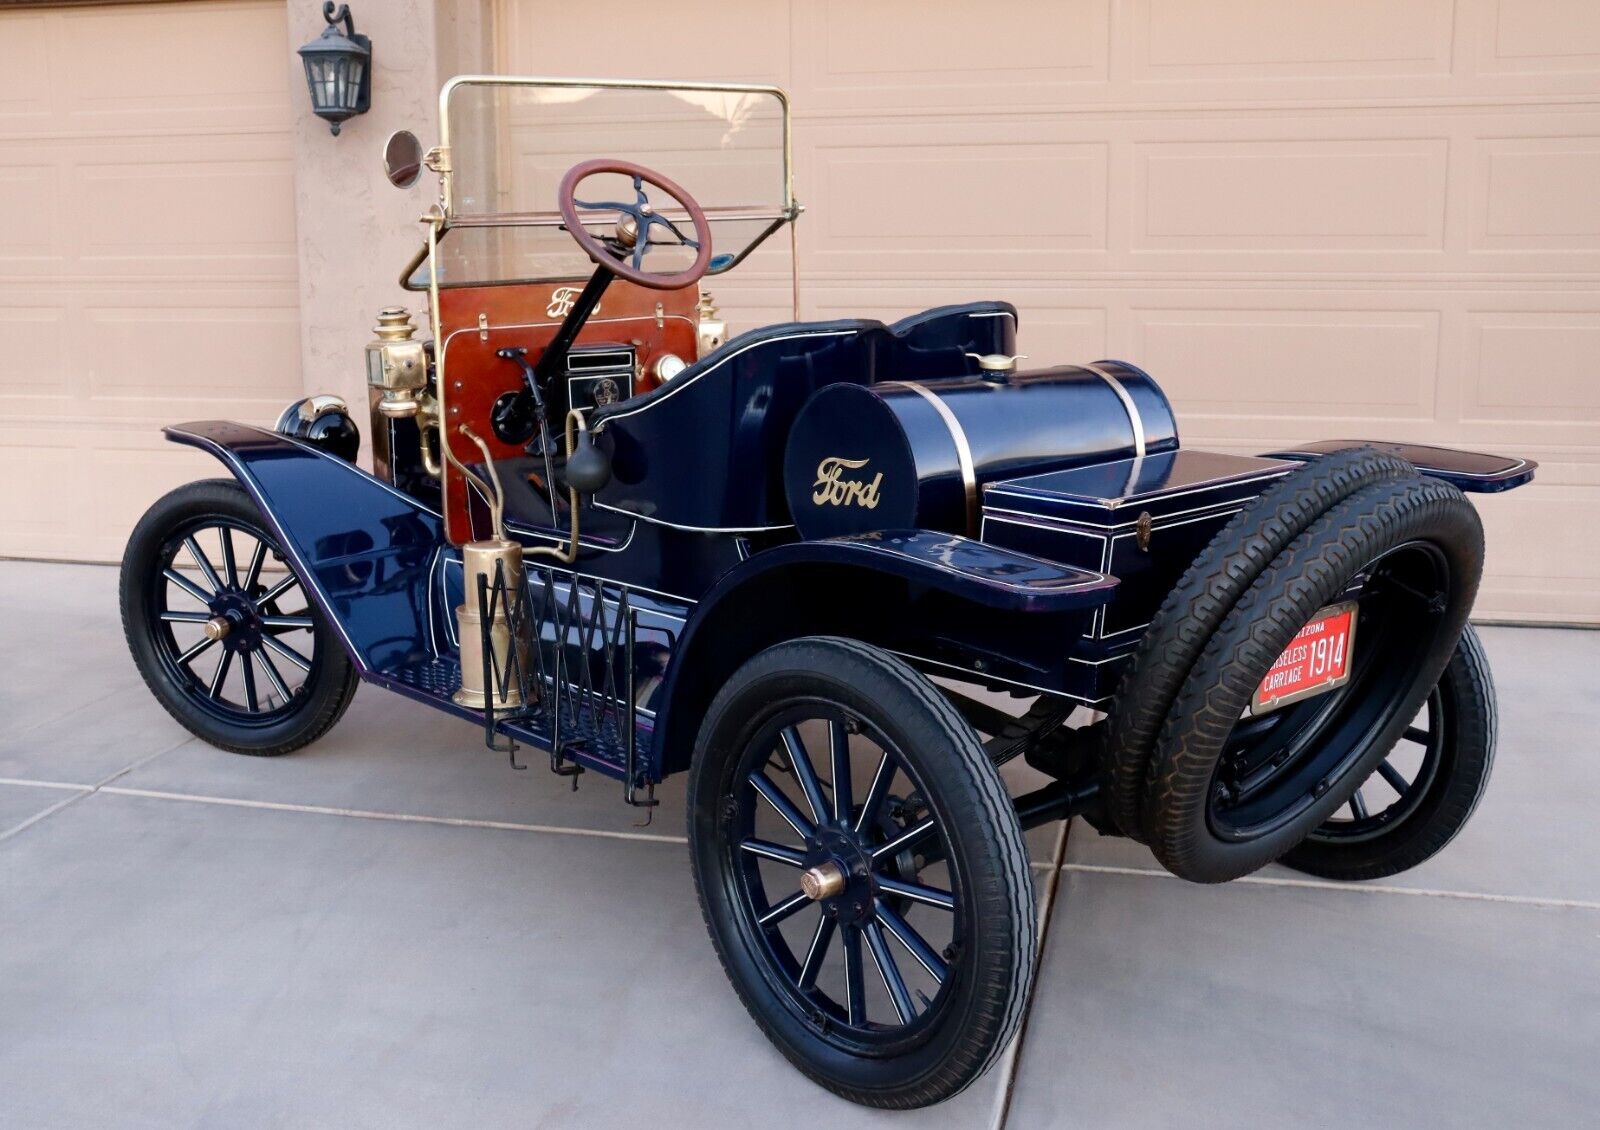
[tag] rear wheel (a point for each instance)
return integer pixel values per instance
(1423, 791)
(221, 628)
(862, 872)
(1231, 790)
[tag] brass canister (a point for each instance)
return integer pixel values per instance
(479, 559)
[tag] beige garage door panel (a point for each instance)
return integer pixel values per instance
(153, 277)
(1320, 219)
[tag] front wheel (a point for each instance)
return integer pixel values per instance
(221, 628)
(862, 872)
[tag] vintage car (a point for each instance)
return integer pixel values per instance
(837, 572)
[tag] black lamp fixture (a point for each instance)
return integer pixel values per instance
(338, 68)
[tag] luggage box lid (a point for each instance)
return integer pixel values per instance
(1117, 492)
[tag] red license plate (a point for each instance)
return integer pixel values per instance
(1316, 661)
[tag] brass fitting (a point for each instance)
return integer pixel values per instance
(396, 364)
(711, 331)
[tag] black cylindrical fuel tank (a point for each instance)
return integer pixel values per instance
(908, 454)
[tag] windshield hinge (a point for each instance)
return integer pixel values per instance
(437, 159)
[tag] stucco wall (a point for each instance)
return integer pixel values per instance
(355, 230)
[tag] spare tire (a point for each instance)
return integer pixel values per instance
(1226, 793)
(1435, 790)
(1205, 594)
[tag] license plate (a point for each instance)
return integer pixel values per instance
(1316, 661)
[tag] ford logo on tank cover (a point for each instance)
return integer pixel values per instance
(833, 489)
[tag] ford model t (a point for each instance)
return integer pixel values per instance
(808, 564)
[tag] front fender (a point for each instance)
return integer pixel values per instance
(362, 549)
(899, 589)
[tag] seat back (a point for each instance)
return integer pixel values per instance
(705, 452)
(938, 342)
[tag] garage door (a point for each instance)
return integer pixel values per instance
(147, 265)
(1328, 218)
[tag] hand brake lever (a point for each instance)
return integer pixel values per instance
(506, 414)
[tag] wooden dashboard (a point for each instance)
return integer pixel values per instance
(478, 320)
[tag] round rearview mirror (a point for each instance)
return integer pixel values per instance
(402, 158)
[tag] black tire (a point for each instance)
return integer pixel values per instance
(1432, 802)
(1227, 795)
(975, 988)
(261, 711)
(1205, 594)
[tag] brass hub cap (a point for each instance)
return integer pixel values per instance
(822, 881)
(218, 627)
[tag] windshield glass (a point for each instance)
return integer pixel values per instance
(511, 140)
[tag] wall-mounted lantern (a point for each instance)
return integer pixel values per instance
(338, 68)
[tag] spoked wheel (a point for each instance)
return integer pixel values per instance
(1231, 791)
(862, 872)
(1277, 765)
(221, 628)
(1423, 791)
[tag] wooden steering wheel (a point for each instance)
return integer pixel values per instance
(623, 254)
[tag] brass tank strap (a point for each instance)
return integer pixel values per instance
(1135, 421)
(958, 436)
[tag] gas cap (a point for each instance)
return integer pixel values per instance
(995, 366)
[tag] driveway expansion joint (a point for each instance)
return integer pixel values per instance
(1534, 901)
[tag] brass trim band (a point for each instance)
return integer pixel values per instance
(1134, 419)
(969, 475)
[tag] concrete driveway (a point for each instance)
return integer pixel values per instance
(394, 929)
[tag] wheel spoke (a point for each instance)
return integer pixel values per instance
(219, 675)
(805, 773)
(257, 559)
(187, 585)
(916, 945)
(876, 791)
(784, 909)
(815, 954)
(775, 852)
(183, 660)
(1358, 807)
(1396, 779)
(204, 564)
(185, 617)
(287, 652)
(855, 987)
(277, 590)
(916, 892)
(839, 755)
(905, 839)
(1417, 734)
(249, 682)
(229, 568)
(785, 807)
(890, 972)
(286, 622)
(274, 678)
